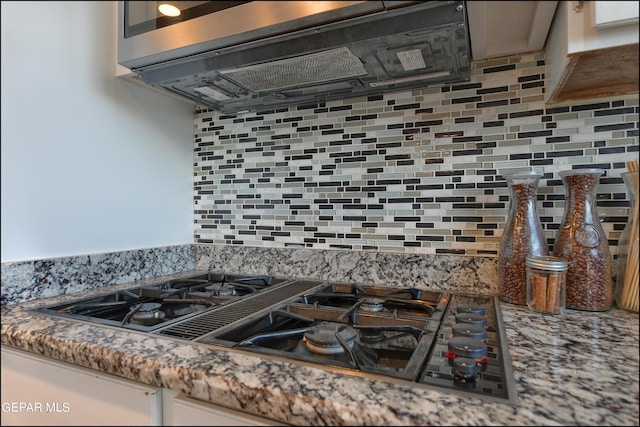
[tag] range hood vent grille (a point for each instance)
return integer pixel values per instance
(300, 71)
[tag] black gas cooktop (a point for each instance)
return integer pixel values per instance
(151, 307)
(427, 338)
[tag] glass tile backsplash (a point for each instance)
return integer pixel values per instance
(411, 172)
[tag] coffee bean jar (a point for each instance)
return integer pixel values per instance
(583, 244)
(522, 236)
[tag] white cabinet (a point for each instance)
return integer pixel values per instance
(41, 391)
(502, 28)
(590, 53)
(614, 13)
(183, 411)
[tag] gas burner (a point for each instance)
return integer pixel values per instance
(374, 305)
(183, 311)
(371, 335)
(146, 313)
(227, 290)
(223, 289)
(330, 337)
(148, 307)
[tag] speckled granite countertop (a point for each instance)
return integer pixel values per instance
(580, 368)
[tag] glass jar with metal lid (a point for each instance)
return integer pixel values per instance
(546, 284)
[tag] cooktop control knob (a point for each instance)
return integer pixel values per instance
(470, 308)
(463, 367)
(467, 347)
(469, 330)
(473, 318)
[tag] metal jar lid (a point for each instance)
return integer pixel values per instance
(545, 262)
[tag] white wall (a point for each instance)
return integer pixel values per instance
(90, 163)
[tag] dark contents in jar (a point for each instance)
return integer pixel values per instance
(515, 249)
(581, 242)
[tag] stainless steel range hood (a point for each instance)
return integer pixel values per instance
(261, 55)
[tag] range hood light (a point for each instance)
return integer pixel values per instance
(211, 93)
(168, 9)
(410, 79)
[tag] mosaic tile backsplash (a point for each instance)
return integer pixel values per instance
(407, 172)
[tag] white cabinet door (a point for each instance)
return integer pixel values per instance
(614, 13)
(42, 391)
(183, 411)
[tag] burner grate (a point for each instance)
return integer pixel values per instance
(197, 326)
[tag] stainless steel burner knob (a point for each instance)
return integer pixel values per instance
(476, 319)
(469, 330)
(467, 347)
(465, 367)
(470, 308)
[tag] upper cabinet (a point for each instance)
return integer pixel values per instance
(592, 50)
(502, 28)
